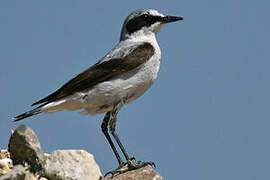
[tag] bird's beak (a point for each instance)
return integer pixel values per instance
(168, 19)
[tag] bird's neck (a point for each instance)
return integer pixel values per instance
(141, 36)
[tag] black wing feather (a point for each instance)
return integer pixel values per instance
(102, 71)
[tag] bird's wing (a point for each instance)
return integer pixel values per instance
(115, 63)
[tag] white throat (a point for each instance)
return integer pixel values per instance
(144, 33)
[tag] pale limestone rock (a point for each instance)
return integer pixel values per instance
(71, 165)
(5, 162)
(4, 154)
(18, 173)
(5, 166)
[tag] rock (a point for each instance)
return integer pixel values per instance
(71, 165)
(5, 166)
(42, 178)
(24, 148)
(4, 154)
(145, 173)
(5, 162)
(18, 173)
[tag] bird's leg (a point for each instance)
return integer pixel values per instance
(112, 125)
(131, 162)
(104, 127)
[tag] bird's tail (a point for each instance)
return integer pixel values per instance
(28, 114)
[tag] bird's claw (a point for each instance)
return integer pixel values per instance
(131, 164)
(138, 164)
(121, 169)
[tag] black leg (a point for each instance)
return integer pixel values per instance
(104, 127)
(131, 163)
(112, 130)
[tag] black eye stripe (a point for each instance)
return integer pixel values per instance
(137, 23)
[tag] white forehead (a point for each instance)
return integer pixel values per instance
(155, 13)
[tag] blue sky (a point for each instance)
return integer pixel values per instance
(206, 117)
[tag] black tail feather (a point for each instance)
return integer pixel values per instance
(28, 114)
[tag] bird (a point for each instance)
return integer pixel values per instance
(117, 79)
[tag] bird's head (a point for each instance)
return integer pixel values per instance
(145, 21)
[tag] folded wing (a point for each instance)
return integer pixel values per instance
(112, 65)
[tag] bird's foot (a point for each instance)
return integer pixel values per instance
(131, 164)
